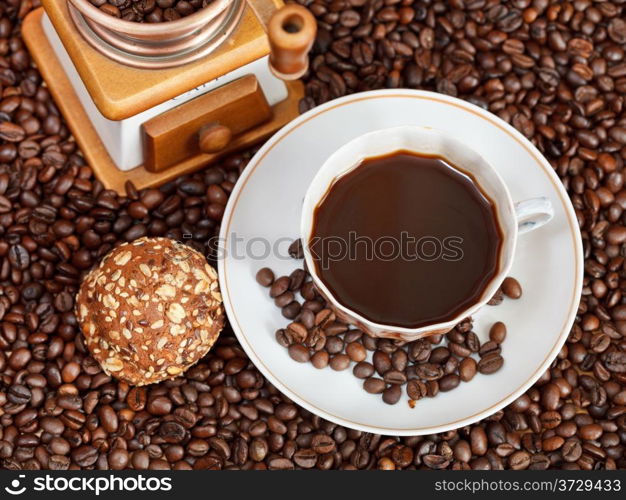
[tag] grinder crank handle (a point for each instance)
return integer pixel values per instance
(291, 33)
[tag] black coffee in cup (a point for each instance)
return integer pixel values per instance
(406, 240)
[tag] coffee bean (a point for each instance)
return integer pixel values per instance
(339, 362)
(439, 355)
(478, 441)
(84, 456)
(137, 210)
(118, 459)
(159, 405)
(449, 382)
(334, 345)
(462, 451)
(550, 419)
(429, 371)
(615, 361)
(467, 369)
(19, 257)
(374, 385)
(58, 462)
(539, 462)
(459, 349)
(435, 461)
(419, 351)
(5, 205)
(299, 353)
(136, 399)
(489, 348)
(295, 249)
(550, 395)
(172, 432)
(552, 443)
(497, 298)
(382, 362)
(291, 310)
(258, 449)
(591, 432)
(386, 463)
(11, 132)
(519, 460)
(394, 377)
(305, 458)
(320, 359)
(356, 351)
(511, 288)
(297, 331)
(278, 463)
(571, 450)
(416, 389)
(497, 333)
(296, 279)
(617, 30)
(363, 370)
(108, 418)
(399, 360)
(70, 372)
(490, 363)
(280, 286)
(19, 394)
(392, 394)
(284, 299)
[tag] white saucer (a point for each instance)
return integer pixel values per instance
(265, 207)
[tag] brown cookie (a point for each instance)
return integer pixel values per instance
(150, 310)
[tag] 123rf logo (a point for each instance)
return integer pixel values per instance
(95, 485)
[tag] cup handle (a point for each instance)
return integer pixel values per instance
(533, 213)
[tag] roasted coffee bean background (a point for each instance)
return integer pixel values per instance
(554, 70)
(150, 11)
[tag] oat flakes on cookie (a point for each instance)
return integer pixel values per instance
(150, 310)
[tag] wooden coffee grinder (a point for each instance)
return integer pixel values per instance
(149, 102)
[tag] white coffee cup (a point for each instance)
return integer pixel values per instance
(513, 218)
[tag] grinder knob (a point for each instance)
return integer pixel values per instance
(214, 137)
(291, 32)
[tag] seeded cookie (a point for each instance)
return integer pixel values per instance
(150, 310)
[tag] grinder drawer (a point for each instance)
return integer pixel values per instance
(204, 125)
